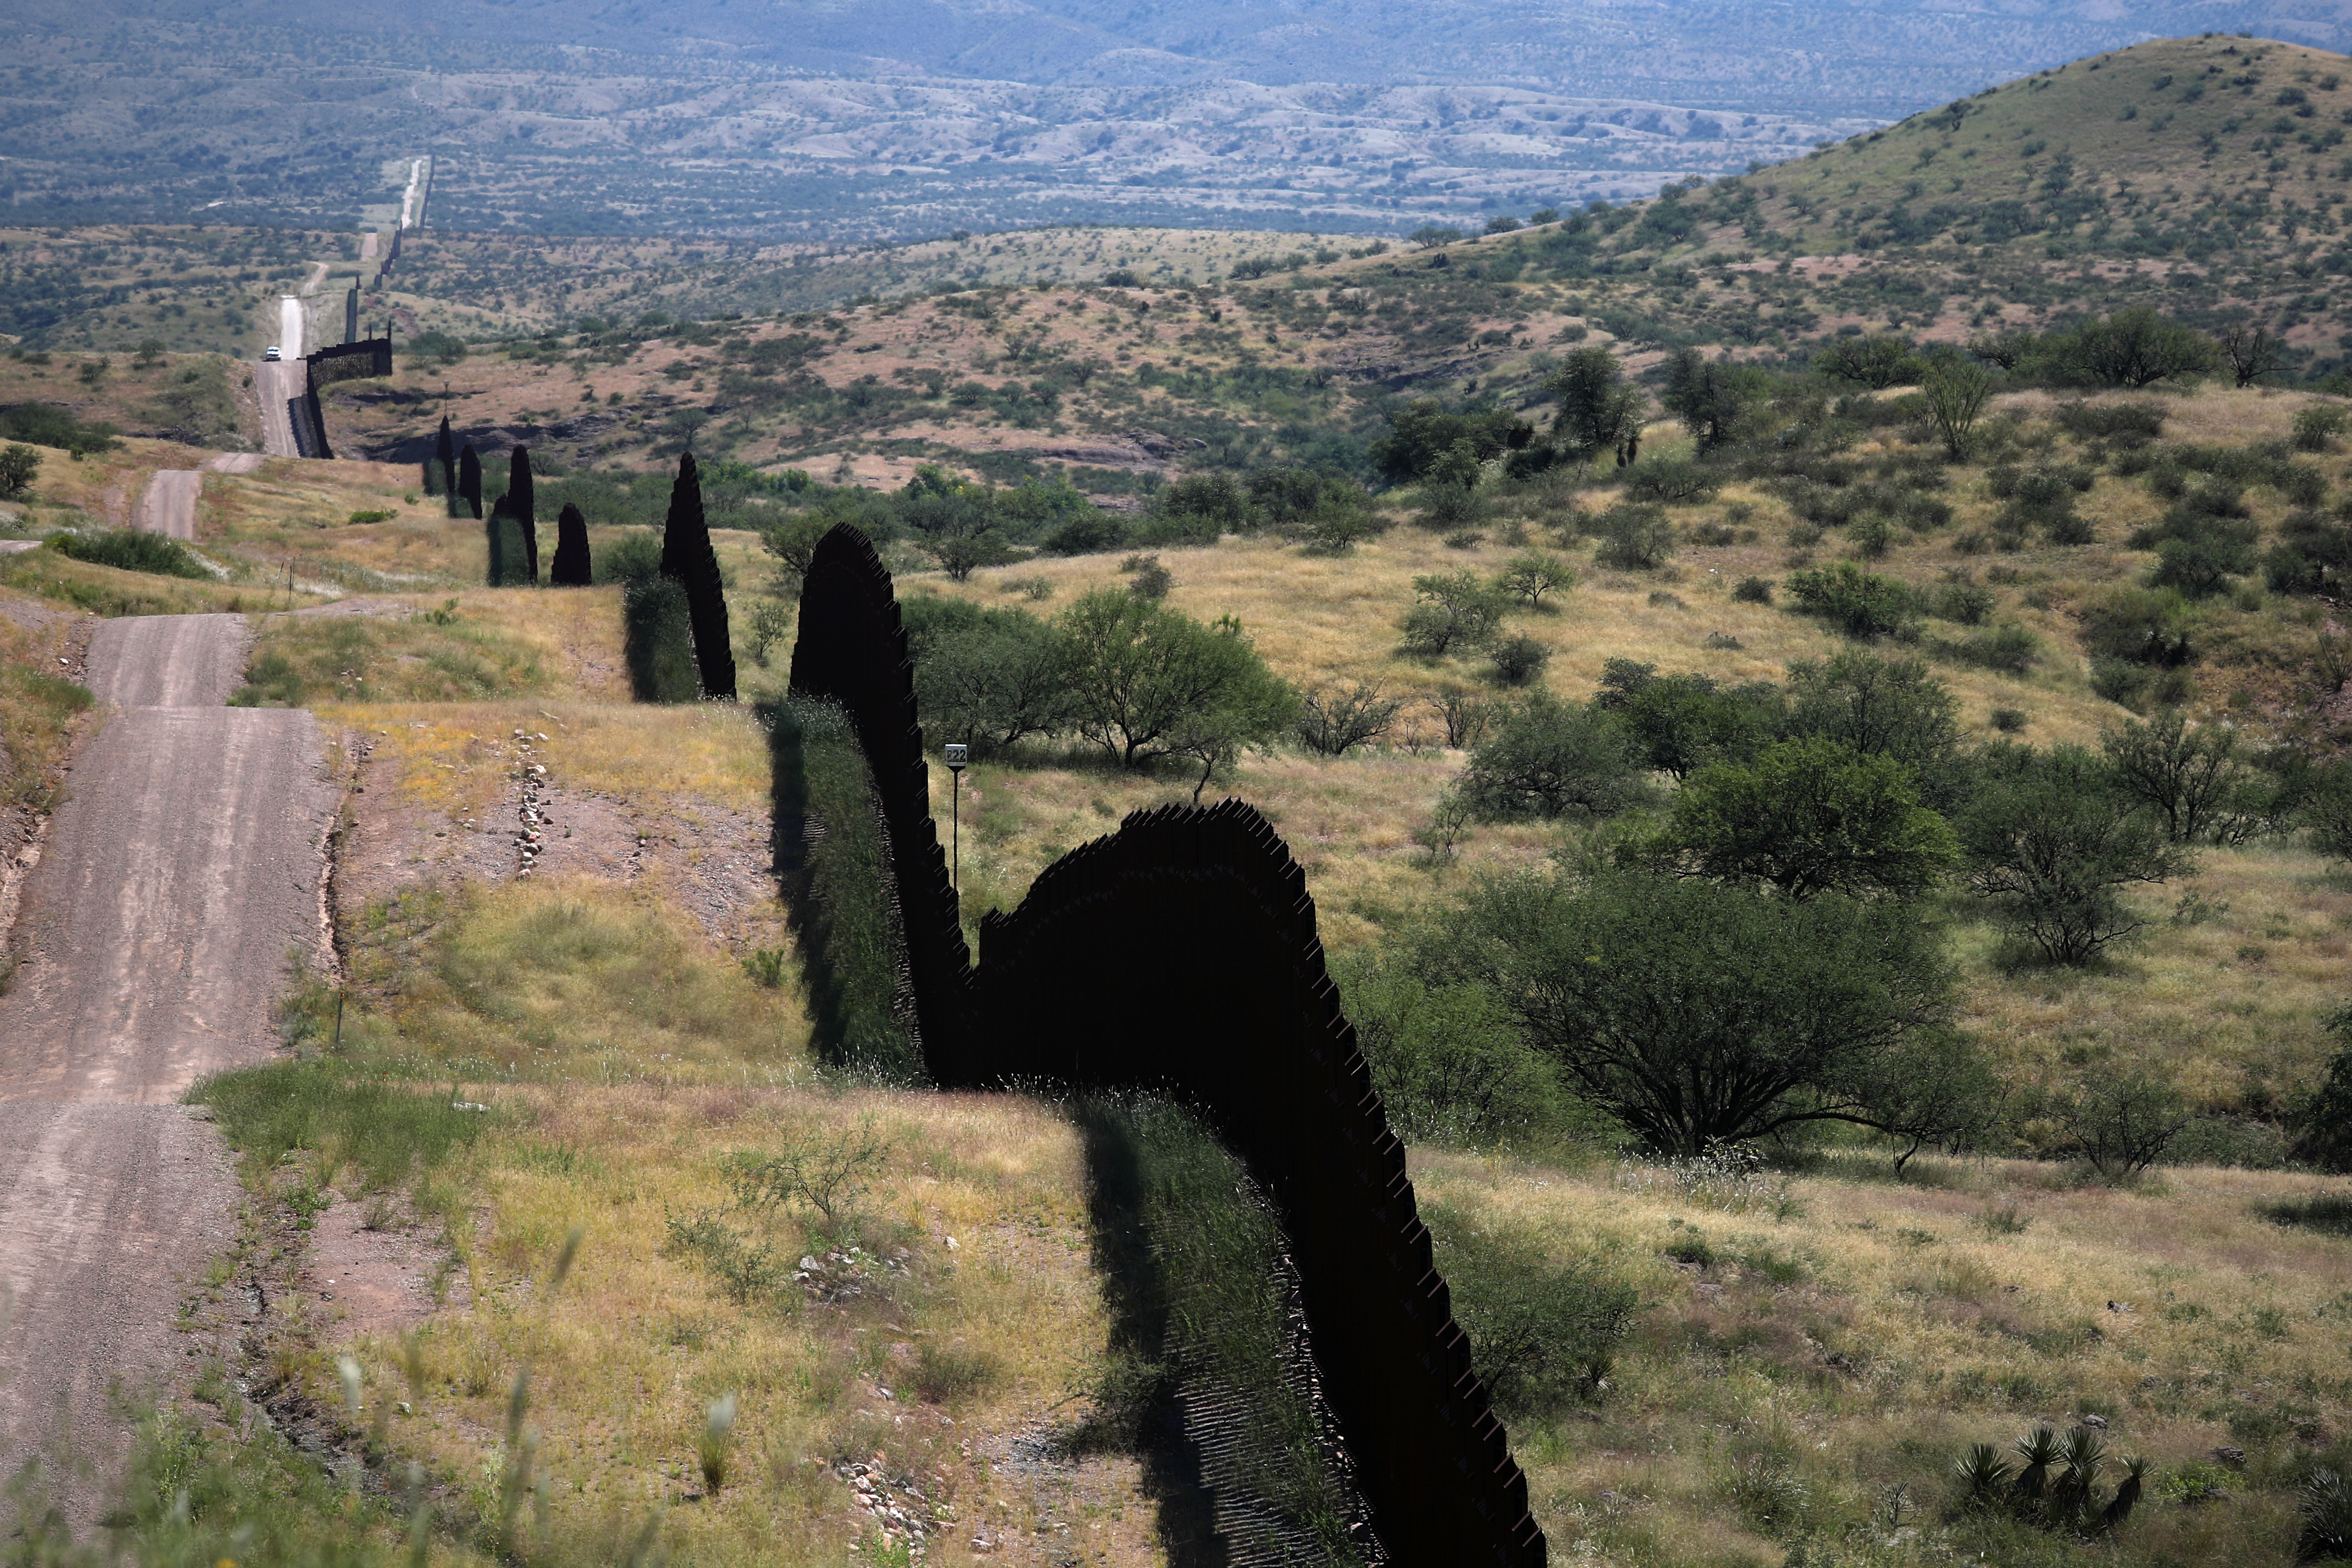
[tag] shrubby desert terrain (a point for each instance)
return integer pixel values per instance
(1813, 708)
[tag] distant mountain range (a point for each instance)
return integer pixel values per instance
(795, 120)
(1876, 57)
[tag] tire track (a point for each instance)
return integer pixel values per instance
(155, 931)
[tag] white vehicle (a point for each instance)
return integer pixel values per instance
(271, 355)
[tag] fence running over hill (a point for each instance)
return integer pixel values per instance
(1180, 955)
(343, 362)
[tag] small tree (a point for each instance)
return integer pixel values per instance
(1455, 610)
(1697, 1013)
(2052, 843)
(1883, 708)
(961, 554)
(2187, 774)
(793, 543)
(1957, 391)
(2135, 347)
(1708, 396)
(987, 678)
(1430, 236)
(19, 466)
(1529, 577)
(1598, 409)
(2252, 353)
(1683, 722)
(1633, 537)
(149, 351)
(1550, 759)
(2119, 1123)
(1809, 817)
(1330, 721)
(1148, 681)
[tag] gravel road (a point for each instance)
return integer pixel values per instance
(277, 386)
(154, 934)
(168, 505)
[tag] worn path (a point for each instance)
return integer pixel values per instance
(154, 935)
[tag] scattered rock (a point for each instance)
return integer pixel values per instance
(2229, 1458)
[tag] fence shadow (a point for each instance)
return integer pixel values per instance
(830, 858)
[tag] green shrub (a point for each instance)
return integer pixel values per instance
(1860, 603)
(2118, 1123)
(2322, 1118)
(1519, 660)
(2008, 648)
(19, 466)
(1451, 1065)
(1549, 759)
(1633, 537)
(1675, 480)
(1456, 610)
(2316, 427)
(632, 558)
(1753, 591)
(2052, 844)
(47, 424)
(1542, 1335)
(131, 550)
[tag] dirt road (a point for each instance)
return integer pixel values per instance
(154, 934)
(168, 505)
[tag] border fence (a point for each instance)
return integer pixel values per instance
(1180, 955)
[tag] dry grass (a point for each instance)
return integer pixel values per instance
(626, 1359)
(1900, 1329)
(450, 754)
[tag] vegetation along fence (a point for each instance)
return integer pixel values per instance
(1181, 955)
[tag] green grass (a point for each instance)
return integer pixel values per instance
(36, 708)
(388, 1130)
(435, 656)
(543, 981)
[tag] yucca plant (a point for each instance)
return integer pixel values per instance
(2327, 1508)
(2127, 1492)
(2039, 1448)
(1983, 1471)
(2084, 1453)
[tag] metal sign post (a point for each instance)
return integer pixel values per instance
(957, 755)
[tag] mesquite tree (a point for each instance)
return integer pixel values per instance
(570, 567)
(519, 503)
(687, 558)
